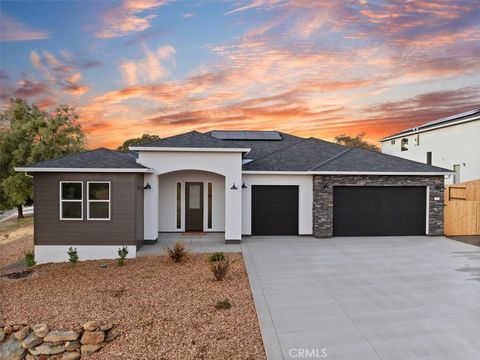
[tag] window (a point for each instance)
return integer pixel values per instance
(209, 220)
(194, 192)
(179, 205)
(392, 142)
(456, 176)
(71, 200)
(404, 144)
(98, 207)
(429, 158)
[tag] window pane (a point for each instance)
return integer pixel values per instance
(194, 197)
(98, 210)
(98, 191)
(209, 222)
(72, 191)
(179, 205)
(71, 210)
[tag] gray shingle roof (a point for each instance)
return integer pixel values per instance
(192, 139)
(101, 158)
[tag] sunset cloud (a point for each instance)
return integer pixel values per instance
(126, 18)
(13, 30)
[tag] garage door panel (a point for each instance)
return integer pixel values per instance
(274, 210)
(386, 210)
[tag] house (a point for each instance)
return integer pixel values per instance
(452, 142)
(239, 183)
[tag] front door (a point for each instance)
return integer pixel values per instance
(194, 206)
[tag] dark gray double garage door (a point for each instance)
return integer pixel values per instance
(357, 210)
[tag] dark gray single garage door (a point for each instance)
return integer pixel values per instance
(274, 210)
(382, 210)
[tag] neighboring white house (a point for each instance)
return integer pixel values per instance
(452, 143)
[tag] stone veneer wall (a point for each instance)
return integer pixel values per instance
(323, 198)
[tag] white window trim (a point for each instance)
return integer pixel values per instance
(62, 201)
(109, 201)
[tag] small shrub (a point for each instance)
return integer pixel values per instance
(220, 268)
(178, 253)
(122, 254)
(223, 304)
(217, 256)
(72, 255)
(29, 259)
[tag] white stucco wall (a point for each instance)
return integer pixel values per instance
(227, 164)
(457, 144)
(58, 253)
(305, 198)
(167, 213)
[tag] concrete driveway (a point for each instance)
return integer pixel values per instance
(366, 298)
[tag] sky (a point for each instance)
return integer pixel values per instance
(310, 68)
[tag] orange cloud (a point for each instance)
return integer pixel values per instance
(13, 30)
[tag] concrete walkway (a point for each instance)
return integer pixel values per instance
(366, 298)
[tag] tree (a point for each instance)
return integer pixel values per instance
(145, 138)
(355, 141)
(33, 135)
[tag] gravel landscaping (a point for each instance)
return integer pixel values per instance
(16, 237)
(163, 310)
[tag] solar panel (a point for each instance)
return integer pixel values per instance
(246, 135)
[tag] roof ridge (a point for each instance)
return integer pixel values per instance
(330, 159)
(283, 148)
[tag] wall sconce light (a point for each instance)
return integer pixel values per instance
(325, 186)
(244, 186)
(147, 187)
(234, 187)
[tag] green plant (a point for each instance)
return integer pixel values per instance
(223, 304)
(122, 254)
(29, 259)
(178, 253)
(216, 256)
(221, 268)
(72, 255)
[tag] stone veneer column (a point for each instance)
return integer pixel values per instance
(323, 186)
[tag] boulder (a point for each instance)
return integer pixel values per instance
(41, 330)
(89, 349)
(106, 327)
(92, 337)
(11, 350)
(7, 329)
(29, 357)
(48, 349)
(2, 335)
(31, 341)
(71, 355)
(22, 333)
(91, 326)
(54, 336)
(72, 345)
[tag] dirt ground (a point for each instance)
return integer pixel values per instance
(164, 310)
(16, 237)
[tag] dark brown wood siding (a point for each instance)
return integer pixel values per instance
(125, 226)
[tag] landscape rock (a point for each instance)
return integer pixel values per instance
(106, 327)
(16, 327)
(92, 337)
(11, 350)
(41, 330)
(2, 335)
(54, 336)
(7, 329)
(48, 349)
(29, 357)
(72, 345)
(22, 333)
(72, 355)
(31, 341)
(91, 326)
(89, 349)
(111, 335)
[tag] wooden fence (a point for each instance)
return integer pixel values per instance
(462, 209)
